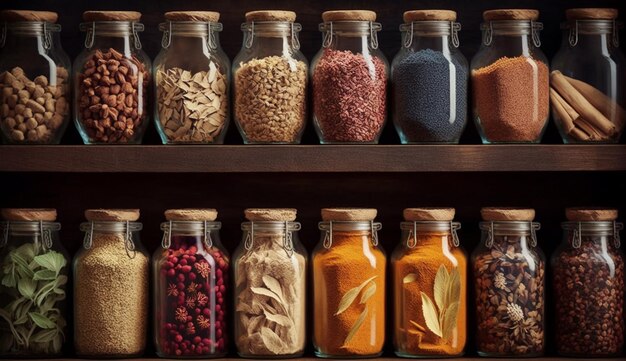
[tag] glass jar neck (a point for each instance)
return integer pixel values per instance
(600, 234)
(27, 36)
(350, 233)
(431, 234)
(270, 233)
(590, 34)
(435, 35)
(177, 234)
(271, 34)
(38, 230)
(523, 34)
(119, 35)
(184, 36)
(350, 35)
(521, 232)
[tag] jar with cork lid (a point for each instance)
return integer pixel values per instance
(191, 91)
(111, 286)
(509, 77)
(349, 75)
(34, 78)
(588, 284)
(270, 79)
(111, 77)
(429, 77)
(585, 93)
(429, 285)
(509, 281)
(190, 273)
(35, 269)
(270, 267)
(348, 285)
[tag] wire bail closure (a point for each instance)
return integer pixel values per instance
(166, 40)
(573, 34)
(208, 241)
(411, 240)
(577, 239)
(5, 234)
(616, 237)
(46, 236)
(91, 33)
(328, 237)
(47, 36)
(129, 245)
(249, 35)
(535, 27)
(88, 239)
(3, 35)
(166, 242)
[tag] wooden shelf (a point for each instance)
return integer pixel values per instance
(312, 158)
(373, 359)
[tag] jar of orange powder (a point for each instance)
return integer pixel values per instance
(349, 285)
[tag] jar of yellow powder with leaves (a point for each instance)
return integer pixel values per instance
(270, 285)
(349, 285)
(429, 285)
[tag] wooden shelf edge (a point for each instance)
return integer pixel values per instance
(318, 359)
(312, 158)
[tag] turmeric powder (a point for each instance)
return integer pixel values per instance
(430, 283)
(349, 289)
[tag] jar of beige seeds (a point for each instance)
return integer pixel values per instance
(111, 294)
(191, 90)
(270, 80)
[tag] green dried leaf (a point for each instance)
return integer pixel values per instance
(9, 280)
(355, 327)
(411, 277)
(27, 287)
(449, 320)
(368, 293)
(21, 265)
(57, 343)
(41, 320)
(44, 336)
(351, 295)
(274, 286)
(45, 275)
(430, 315)
(440, 289)
(53, 261)
(27, 251)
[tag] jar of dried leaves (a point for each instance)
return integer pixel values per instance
(430, 285)
(509, 281)
(588, 281)
(270, 285)
(190, 273)
(192, 90)
(33, 288)
(111, 275)
(348, 285)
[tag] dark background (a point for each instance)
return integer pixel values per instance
(231, 193)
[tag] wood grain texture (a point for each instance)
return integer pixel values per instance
(312, 158)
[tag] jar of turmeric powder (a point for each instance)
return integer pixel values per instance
(429, 285)
(349, 285)
(509, 280)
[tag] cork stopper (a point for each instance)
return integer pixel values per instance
(199, 16)
(349, 15)
(591, 14)
(11, 16)
(271, 15)
(496, 214)
(98, 15)
(112, 215)
(590, 214)
(428, 214)
(29, 214)
(349, 214)
(188, 214)
(429, 15)
(511, 14)
(271, 214)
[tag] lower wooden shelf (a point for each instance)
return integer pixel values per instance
(374, 359)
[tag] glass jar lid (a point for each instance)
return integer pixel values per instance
(191, 24)
(432, 23)
(111, 23)
(349, 219)
(590, 21)
(592, 222)
(511, 22)
(427, 220)
(190, 221)
(350, 23)
(508, 221)
(271, 23)
(29, 221)
(29, 23)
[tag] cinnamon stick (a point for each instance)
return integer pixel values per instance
(594, 134)
(579, 134)
(558, 104)
(582, 106)
(603, 103)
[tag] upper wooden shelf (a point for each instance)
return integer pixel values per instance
(312, 158)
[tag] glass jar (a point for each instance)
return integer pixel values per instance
(429, 78)
(510, 79)
(111, 78)
(588, 282)
(190, 283)
(509, 272)
(34, 79)
(349, 76)
(111, 280)
(348, 285)
(191, 91)
(430, 285)
(34, 284)
(586, 94)
(270, 79)
(270, 276)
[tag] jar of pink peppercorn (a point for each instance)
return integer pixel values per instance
(190, 276)
(349, 76)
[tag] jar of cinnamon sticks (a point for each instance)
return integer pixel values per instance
(585, 91)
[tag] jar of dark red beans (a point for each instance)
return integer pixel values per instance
(588, 283)
(190, 276)
(349, 79)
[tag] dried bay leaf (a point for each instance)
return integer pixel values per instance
(41, 320)
(449, 320)
(411, 277)
(351, 295)
(355, 327)
(26, 287)
(430, 315)
(440, 289)
(271, 340)
(274, 286)
(368, 293)
(279, 319)
(265, 292)
(454, 287)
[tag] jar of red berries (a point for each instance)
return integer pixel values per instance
(190, 277)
